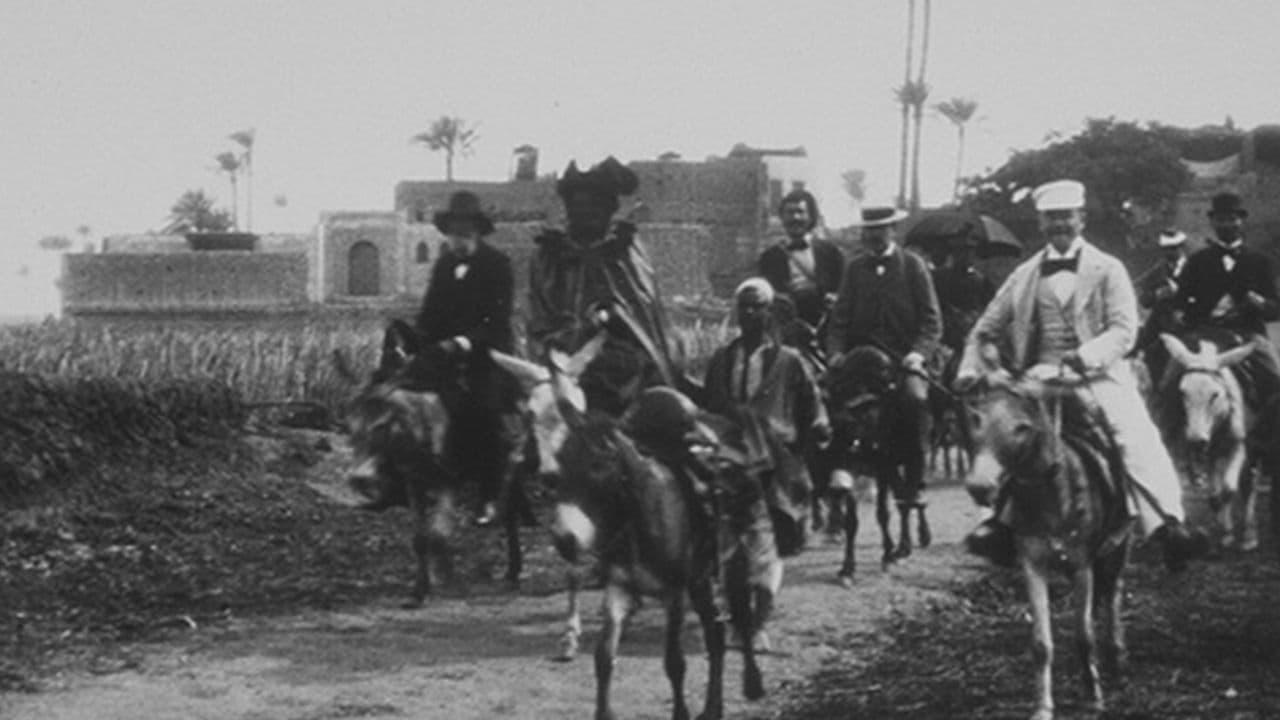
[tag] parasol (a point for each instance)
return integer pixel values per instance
(994, 239)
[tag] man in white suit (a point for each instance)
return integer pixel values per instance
(1072, 305)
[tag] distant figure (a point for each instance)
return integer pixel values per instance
(1226, 285)
(963, 290)
(465, 312)
(803, 267)
(595, 274)
(1157, 294)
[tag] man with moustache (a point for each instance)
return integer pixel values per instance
(803, 267)
(1072, 305)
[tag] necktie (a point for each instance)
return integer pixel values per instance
(1049, 267)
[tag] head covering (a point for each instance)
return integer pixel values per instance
(757, 286)
(881, 216)
(607, 179)
(1227, 203)
(1059, 195)
(463, 205)
(1171, 238)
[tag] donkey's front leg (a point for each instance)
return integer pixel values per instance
(616, 608)
(1035, 573)
(713, 635)
(1086, 644)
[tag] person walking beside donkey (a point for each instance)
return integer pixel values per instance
(1072, 305)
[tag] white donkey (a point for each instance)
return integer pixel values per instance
(1216, 422)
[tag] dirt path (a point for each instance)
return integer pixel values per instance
(489, 655)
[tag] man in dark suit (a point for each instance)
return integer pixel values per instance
(803, 267)
(887, 300)
(465, 313)
(1157, 292)
(1227, 285)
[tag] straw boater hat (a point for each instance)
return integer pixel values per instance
(1059, 195)
(881, 216)
(1171, 238)
(463, 205)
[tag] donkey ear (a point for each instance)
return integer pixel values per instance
(1177, 349)
(579, 361)
(1236, 354)
(529, 374)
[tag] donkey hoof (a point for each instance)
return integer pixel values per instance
(1249, 545)
(413, 603)
(568, 648)
(1042, 714)
(845, 580)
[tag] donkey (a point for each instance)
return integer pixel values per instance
(872, 433)
(1047, 466)
(640, 518)
(399, 425)
(1207, 401)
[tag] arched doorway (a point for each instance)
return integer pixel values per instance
(363, 269)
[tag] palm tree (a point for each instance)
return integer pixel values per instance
(245, 140)
(194, 212)
(959, 111)
(920, 96)
(855, 183)
(451, 135)
(906, 107)
(230, 164)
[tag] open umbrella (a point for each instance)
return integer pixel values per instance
(994, 239)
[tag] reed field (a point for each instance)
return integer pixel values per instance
(288, 361)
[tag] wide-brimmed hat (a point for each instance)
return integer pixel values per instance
(1171, 238)
(463, 205)
(881, 216)
(607, 178)
(1227, 204)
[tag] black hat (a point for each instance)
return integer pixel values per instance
(1227, 204)
(463, 205)
(608, 178)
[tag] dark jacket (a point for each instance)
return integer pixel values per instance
(896, 310)
(963, 293)
(1205, 281)
(774, 265)
(476, 305)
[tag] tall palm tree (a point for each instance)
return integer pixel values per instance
(450, 134)
(901, 93)
(229, 163)
(920, 96)
(959, 111)
(245, 140)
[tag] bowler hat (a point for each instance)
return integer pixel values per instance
(463, 205)
(1227, 204)
(879, 216)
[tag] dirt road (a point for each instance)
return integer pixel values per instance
(488, 654)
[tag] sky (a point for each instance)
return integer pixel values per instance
(109, 111)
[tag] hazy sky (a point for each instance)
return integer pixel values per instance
(110, 110)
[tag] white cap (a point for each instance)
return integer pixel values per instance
(757, 285)
(1059, 195)
(1171, 238)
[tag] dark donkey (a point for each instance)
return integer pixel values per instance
(400, 425)
(640, 518)
(1050, 468)
(874, 433)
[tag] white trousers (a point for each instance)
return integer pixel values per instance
(1141, 447)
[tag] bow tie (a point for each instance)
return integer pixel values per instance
(1231, 250)
(1049, 267)
(800, 244)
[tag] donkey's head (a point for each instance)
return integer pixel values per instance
(1208, 391)
(858, 386)
(1010, 428)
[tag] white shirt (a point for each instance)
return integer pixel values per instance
(801, 261)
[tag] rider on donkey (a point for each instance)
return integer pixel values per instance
(1227, 285)
(466, 312)
(803, 267)
(887, 300)
(1072, 305)
(596, 273)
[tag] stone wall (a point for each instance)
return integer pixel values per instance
(192, 282)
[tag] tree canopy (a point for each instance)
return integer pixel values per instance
(451, 134)
(1117, 161)
(194, 212)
